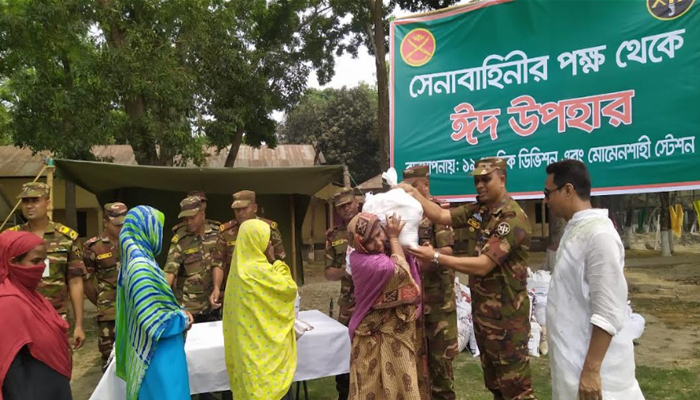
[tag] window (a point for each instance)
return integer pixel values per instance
(538, 213)
(82, 223)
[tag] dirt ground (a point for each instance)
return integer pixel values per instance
(666, 291)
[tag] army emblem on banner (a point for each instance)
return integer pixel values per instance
(666, 10)
(418, 47)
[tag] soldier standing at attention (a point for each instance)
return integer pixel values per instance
(192, 260)
(244, 208)
(336, 252)
(497, 276)
(64, 271)
(439, 305)
(101, 256)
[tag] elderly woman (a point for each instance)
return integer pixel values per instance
(260, 344)
(34, 351)
(386, 361)
(149, 345)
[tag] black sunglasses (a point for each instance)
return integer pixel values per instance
(547, 192)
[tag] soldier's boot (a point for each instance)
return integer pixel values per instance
(105, 341)
(342, 385)
(544, 347)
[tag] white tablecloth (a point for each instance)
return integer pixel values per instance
(323, 351)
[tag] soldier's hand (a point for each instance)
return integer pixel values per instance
(589, 387)
(78, 337)
(423, 253)
(270, 253)
(408, 188)
(215, 299)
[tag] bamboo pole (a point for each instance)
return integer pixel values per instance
(294, 239)
(20, 201)
(49, 181)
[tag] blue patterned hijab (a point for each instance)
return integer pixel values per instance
(145, 301)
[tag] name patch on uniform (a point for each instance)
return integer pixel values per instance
(174, 239)
(474, 223)
(191, 251)
(273, 225)
(103, 256)
(339, 242)
(231, 243)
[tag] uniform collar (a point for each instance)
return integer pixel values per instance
(501, 205)
(50, 227)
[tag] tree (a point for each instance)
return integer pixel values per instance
(342, 123)
(165, 77)
(369, 27)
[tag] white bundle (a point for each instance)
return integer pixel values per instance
(533, 344)
(396, 201)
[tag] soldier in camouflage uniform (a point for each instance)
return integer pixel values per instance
(101, 256)
(65, 269)
(439, 305)
(336, 248)
(192, 259)
(498, 277)
(244, 208)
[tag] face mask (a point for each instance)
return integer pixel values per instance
(28, 277)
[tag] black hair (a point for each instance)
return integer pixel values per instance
(573, 172)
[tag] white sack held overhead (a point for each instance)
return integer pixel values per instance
(396, 201)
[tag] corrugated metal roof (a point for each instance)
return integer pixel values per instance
(18, 162)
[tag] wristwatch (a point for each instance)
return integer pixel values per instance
(436, 257)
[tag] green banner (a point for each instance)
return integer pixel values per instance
(613, 83)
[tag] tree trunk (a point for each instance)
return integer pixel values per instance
(556, 230)
(665, 225)
(235, 146)
(142, 143)
(379, 47)
(627, 235)
(71, 211)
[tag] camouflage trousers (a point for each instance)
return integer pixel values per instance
(105, 340)
(441, 335)
(505, 358)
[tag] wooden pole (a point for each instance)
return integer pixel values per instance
(294, 239)
(49, 181)
(542, 206)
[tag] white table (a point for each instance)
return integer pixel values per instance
(321, 352)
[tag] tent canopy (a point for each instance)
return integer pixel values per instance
(283, 194)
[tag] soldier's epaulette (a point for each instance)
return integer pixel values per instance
(66, 231)
(15, 228)
(214, 223)
(175, 239)
(177, 227)
(272, 224)
(230, 224)
(92, 241)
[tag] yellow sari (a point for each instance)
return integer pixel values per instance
(261, 354)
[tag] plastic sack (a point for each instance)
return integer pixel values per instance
(466, 338)
(533, 344)
(396, 201)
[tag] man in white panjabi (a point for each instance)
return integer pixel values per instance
(587, 300)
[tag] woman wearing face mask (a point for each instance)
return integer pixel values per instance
(35, 359)
(385, 361)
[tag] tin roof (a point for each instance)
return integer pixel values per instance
(17, 162)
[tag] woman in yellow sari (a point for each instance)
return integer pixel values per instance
(261, 354)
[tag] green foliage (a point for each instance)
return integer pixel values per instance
(342, 123)
(166, 77)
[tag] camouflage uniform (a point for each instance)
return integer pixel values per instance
(64, 254)
(102, 260)
(500, 301)
(439, 308)
(191, 259)
(336, 251)
(228, 233)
